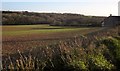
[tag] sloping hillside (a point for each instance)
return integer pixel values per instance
(28, 18)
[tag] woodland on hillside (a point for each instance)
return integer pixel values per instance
(55, 19)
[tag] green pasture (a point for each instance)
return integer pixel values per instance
(40, 29)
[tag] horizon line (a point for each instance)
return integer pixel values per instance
(55, 12)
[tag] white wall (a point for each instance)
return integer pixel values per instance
(119, 8)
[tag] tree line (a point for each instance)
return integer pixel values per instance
(55, 19)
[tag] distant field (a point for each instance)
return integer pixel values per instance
(41, 29)
(33, 32)
(35, 29)
(20, 37)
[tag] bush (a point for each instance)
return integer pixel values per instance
(98, 62)
(113, 45)
(78, 65)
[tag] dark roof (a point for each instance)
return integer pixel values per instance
(117, 17)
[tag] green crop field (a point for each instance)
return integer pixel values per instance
(41, 29)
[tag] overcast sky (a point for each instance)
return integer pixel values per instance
(86, 7)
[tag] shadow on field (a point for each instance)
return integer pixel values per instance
(46, 28)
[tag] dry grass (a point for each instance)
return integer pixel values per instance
(73, 54)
